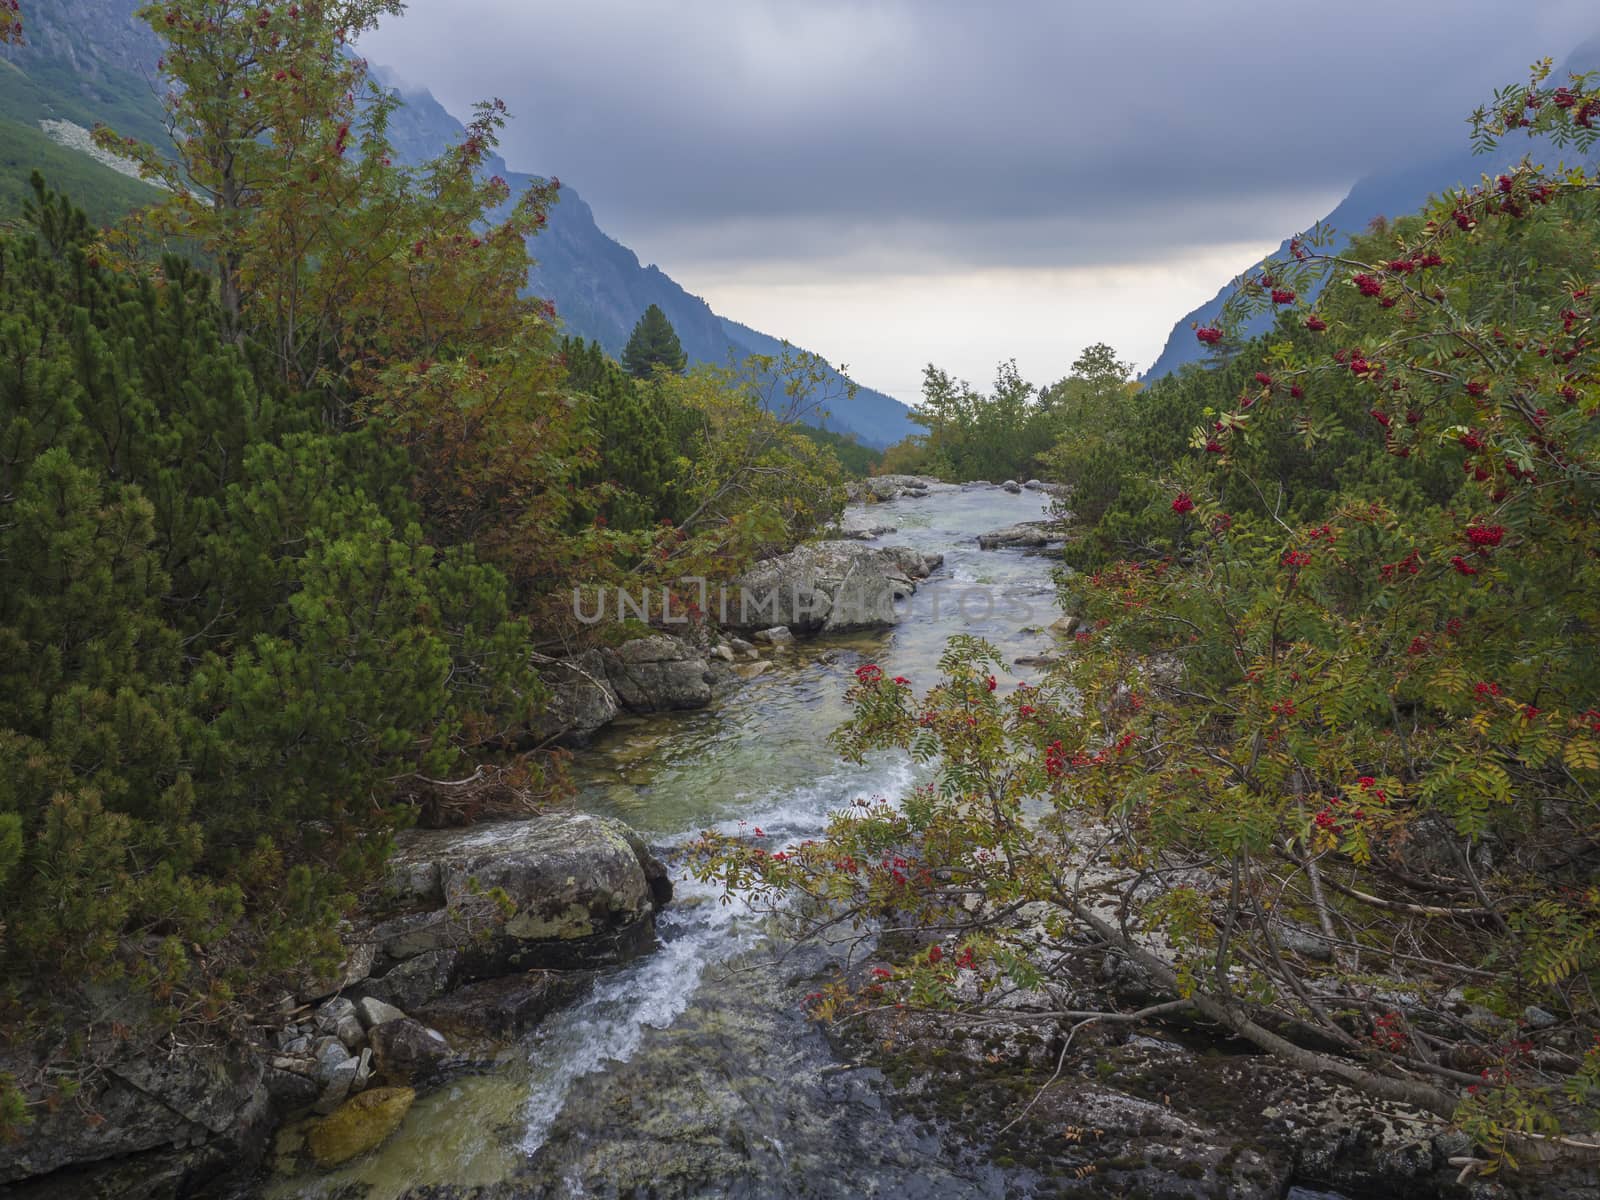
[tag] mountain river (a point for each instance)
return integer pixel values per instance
(693, 1071)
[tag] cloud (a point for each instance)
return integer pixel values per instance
(905, 137)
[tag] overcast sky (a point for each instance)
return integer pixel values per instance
(889, 182)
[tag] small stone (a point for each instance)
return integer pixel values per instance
(330, 1014)
(329, 1052)
(373, 1011)
(1012, 486)
(751, 670)
(722, 651)
(361, 1124)
(350, 1032)
(291, 1041)
(1538, 1018)
(778, 635)
(336, 1084)
(363, 1071)
(1036, 660)
(1306, 944)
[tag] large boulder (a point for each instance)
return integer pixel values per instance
(582, 700)
(1024, 534)
(554, 891)
(145, 1098)
(827, 587)
(361, 1124)
(657, 673)
(407, 1051)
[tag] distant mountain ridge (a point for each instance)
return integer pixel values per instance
(1391, 191)
(91, 60)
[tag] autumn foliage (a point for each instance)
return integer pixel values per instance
(1324, 757)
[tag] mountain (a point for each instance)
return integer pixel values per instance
(600, 288)
(91, 61)
(1390, 191)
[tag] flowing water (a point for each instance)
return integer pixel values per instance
(692, 1072)
(693, 1069)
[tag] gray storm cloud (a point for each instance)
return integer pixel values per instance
(1023, 133)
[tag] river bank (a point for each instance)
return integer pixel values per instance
(692, 1069)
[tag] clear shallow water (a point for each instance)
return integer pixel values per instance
(692, 1071)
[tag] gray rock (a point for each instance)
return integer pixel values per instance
(327, 1056)
(363, 1071)
(289, 1089)
(331, 1013)
(147, 1098)
(1012, 486)
(1538, 1018)
(826, 587)
(412, 983)
(373, 1011)
(658, 673)
(722, 651)
(336, 1083)
(742, 648)
(1034, 485)
(1024, 534)
(583, 890)
(582, 700)
(778, 635)
(407, 1051)
(868, 533)
(1036, 660)
(888, 487)
(338, 1018)
(1305, 943)
(752, 670)
(351, 1033)
(1066, 626)
(411, 934)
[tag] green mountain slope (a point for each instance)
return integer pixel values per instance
(101, 192)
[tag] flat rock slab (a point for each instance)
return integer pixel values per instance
(582, 891)
(1024, 535)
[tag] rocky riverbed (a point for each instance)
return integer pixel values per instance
(554, 1008)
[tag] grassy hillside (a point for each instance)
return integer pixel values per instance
(103, 193)
(48, 88)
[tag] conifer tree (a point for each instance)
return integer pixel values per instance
(654, 343)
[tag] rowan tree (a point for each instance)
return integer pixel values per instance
(1330, 784)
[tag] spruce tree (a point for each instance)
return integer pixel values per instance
(654, 343)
